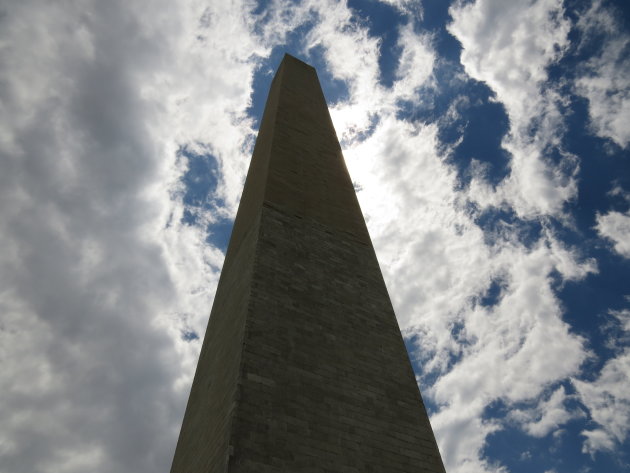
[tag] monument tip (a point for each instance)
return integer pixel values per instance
(288, 57)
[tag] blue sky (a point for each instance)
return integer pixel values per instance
(489, 143)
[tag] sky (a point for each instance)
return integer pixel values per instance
(488, 141)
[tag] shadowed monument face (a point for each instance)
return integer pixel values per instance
(303, 367)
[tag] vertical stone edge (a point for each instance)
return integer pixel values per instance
(205, 438)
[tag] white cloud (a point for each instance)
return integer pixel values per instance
(623, 317)
(411, 7)
(99, 277)
(607, 397)
(522, 342)
(415, 66)
(508, 45)
(603, 79)
(352, 56)
(608, 401)
(616, 227)
(462, 436)
(547, 416)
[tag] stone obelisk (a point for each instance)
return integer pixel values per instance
(303, 367)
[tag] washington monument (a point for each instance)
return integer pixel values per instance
(303, 367)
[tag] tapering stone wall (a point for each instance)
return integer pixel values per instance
(303, 368)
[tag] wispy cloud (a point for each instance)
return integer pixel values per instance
(606, 396)
(603, 79)
(608, 401)
(547, 416)
(615, 226)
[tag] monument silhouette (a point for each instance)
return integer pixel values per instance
(303, 367)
